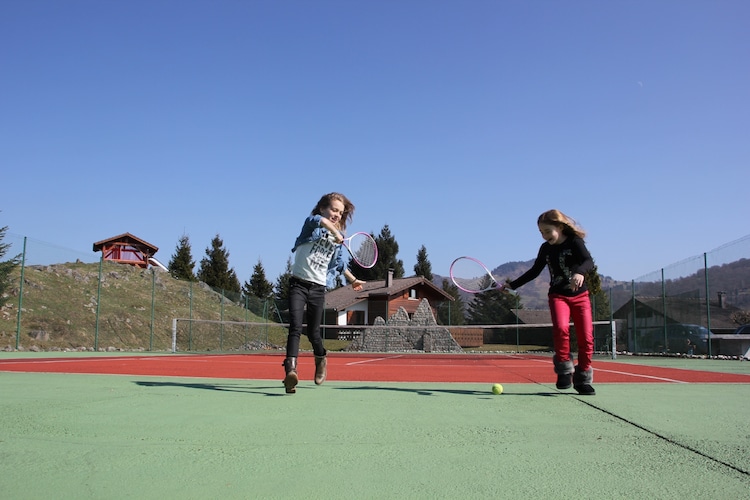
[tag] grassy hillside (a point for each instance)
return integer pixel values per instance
(135, 310)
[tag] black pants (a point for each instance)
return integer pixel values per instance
(305, 295)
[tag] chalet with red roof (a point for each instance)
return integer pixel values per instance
(128, 249)
(382, 298)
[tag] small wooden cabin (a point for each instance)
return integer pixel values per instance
(127, 249)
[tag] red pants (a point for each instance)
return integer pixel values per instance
(578, 309)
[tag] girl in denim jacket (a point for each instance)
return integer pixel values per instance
(318, 261)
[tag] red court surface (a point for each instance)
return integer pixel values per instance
(364, 367)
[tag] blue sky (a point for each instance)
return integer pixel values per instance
(455, 123)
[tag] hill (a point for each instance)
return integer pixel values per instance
(732, 278)
(533, 294)
(65, 307)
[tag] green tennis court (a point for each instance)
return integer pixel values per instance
(129, 436)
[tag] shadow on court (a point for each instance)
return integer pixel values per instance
(275, 391)
(214, 387)
(433, 392)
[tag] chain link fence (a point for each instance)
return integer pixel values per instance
(690, 307)
(66, 299)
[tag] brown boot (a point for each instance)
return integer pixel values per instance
(291, 378)
(320, 369)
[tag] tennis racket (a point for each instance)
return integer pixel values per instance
(363, 248)
(471, 276)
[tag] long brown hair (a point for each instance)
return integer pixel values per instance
(326, 200)
(569, 226)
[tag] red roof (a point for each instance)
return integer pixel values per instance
(128, 239)
(343, 297)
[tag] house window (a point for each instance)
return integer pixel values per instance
(355, 317)
(412, 293)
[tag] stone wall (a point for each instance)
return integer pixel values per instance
(401, 333)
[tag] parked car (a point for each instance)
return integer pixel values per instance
(743, 330)
(680, 338)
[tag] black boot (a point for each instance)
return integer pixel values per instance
(320, 369)
(582, 382)
(564, 370)
(564, 381)
(290, 378)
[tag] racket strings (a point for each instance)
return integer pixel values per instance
(471, 276)
(366, 252)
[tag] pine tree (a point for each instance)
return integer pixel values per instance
(215, 270)
(451, 312)
(599, 298)
(492, 307)
(281, 304)
(282, 283)
(423, 267)
(181, 264)
(258, 286)
(387, 259)
(6, 267)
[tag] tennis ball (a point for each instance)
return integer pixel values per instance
(497, 389)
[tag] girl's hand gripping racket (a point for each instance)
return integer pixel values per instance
(471, 276)
(363, 248)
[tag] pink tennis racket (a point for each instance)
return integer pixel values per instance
(470, 275)
(363, 248)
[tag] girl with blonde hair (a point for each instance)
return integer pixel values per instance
(565, 254)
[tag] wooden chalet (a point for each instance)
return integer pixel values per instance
(382, 298)
(127, 249)
(654, 312)
(649, 314)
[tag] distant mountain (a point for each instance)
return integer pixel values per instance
(732, 279)
(533, 294)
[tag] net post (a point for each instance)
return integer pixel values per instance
(174, 335)
(613, 327)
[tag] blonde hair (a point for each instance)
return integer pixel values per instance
(326, 200)
(569, 226)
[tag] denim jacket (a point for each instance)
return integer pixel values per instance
(311, 231)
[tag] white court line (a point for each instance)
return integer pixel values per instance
(62, 360)
(373, 360)
(442, 363)
(642, 376)
(627, 374)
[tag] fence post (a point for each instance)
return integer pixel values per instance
(98, 302)
(266, 304)
(664, 308)
(221, 325)
(247, 333)
(153, 298)
(708, 304)
(190, 327)
(20, 296)
(614, 326)
(632, 328)
(518, 330)
(174, 334)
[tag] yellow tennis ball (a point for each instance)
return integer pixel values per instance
(497, 389)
